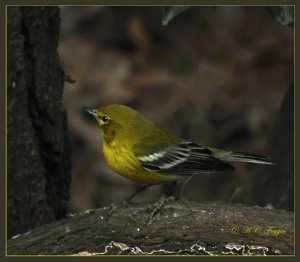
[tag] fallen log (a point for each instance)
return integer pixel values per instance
(163, 228)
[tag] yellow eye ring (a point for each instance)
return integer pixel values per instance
(104, 119)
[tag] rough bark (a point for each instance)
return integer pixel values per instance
(164, 228)
(38, 161)
(274, 185)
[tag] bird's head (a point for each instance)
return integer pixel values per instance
(118, 121)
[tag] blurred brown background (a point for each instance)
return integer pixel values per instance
(214, 75)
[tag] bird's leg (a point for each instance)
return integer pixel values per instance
(124, 203)
(169, 189)
(183, 185)
(176, 188)
(141, 189)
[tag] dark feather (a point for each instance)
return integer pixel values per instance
(186, 158)
(243, 157)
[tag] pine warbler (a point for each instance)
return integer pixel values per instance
(145, 152)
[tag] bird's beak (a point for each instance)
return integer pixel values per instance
(92, 112)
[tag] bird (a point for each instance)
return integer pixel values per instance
(148, 153)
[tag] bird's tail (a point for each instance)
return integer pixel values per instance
(243, 157)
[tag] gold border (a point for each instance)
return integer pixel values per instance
(6, 75)
(142, 255)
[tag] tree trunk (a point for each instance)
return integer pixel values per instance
(38, 155)
(274, 185)
(164, 228)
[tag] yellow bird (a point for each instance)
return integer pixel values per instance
(147, 153)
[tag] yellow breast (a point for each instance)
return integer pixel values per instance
(124, 163)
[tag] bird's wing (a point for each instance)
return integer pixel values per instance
(185, 158)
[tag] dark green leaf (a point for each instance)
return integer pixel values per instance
(169, 12)
(283, 14)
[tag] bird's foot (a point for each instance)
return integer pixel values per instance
(114, 206)
(156, 207)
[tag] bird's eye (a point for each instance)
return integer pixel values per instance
(104, 119)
